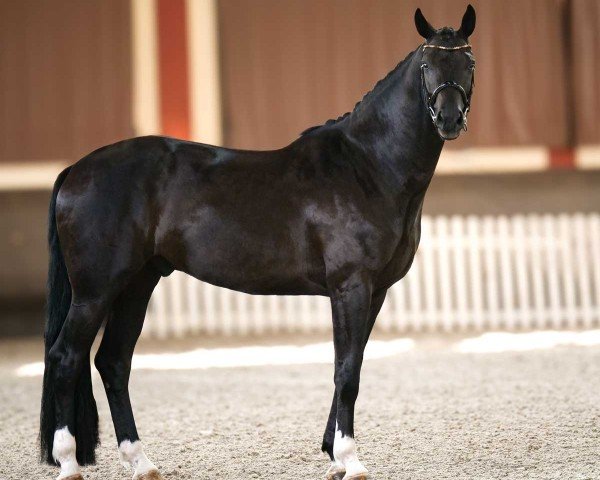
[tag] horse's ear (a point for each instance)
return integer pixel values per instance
(468, 22)
(423, 26)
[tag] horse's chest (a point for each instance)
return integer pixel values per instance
(407, 245)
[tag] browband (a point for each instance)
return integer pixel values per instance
(440, 47)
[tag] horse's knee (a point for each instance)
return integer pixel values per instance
(113, 370)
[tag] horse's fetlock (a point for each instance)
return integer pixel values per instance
(327, 446)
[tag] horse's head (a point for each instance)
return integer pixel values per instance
(447, 73)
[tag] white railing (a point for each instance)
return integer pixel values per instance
(519, 272)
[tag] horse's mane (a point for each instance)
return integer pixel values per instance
(368, 95)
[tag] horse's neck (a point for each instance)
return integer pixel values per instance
(395, 130)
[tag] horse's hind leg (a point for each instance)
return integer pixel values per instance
(69, 361)
(113, 361)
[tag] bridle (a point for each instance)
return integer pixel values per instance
(430, 98)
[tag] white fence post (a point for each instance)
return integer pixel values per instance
(457, 238)
(475, 272)
(490, 249)
(506, 245)
(583, 272)
(567, 273)
(594, 243)
(535, 239)
(552, 252)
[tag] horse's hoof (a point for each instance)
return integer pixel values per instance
(151, 475)
(336, 476)
(335, 473)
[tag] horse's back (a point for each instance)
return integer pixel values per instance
(225, 216)
(259, 222)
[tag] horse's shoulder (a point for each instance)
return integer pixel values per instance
(330, 151)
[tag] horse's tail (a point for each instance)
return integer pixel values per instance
(58, 303)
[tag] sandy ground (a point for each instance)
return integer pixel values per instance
(426, 414)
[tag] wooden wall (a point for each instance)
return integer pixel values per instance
(65, 69)
(65, 77)
(290, 64)
(584, 22)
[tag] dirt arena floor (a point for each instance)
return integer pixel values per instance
(427, 414)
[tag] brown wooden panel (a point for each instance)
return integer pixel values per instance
(585, 62)
(291, 64)
(65, 81)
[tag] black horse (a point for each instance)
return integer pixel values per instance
(335, 213)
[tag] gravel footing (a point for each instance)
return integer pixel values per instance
(427, 414)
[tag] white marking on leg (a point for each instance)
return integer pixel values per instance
(64, 452)
(344, 451)
(132, 455)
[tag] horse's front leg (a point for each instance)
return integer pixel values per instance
(337, 470)
(351, 301)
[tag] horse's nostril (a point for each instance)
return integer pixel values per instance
(460, 119)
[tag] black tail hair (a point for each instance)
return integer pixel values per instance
(58, 303)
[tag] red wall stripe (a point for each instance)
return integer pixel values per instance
(562, 158)
(173, 68)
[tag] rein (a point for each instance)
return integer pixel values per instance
(430, 98)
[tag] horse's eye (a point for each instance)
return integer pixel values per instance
(472, 67)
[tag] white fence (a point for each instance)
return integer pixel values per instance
(520, 272)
